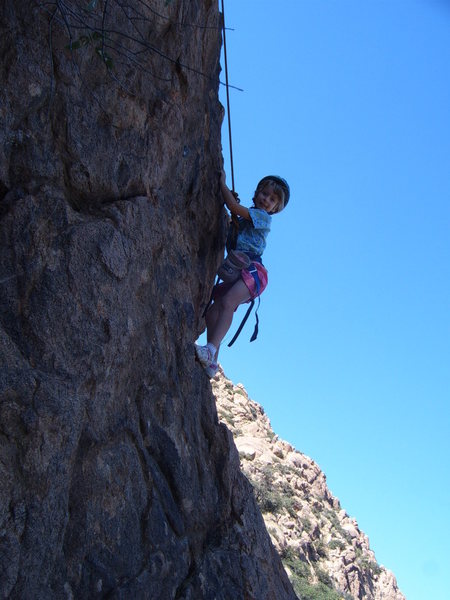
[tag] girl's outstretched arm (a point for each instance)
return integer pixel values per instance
(232, 204)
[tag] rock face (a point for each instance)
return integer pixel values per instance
(117, 480)
(323, 549)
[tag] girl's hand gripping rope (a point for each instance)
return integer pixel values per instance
(231, 199)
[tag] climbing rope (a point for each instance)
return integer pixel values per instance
(234, 218)
(228, 95)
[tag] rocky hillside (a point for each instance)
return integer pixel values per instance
(117, 479)
(324, 551)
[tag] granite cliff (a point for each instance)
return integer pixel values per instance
(117, 479)
(325, 553)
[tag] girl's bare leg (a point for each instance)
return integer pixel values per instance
(222, 316)
(211, 317)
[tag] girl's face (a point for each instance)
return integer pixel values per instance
(266, 199)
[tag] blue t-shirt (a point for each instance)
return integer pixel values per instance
(253, 234)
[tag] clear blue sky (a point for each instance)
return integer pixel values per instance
(349, 100)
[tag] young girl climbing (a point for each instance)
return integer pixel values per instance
(271, 196)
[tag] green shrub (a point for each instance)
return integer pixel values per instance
(300, 573)
(321, 549)
(324, 577)
(299, 569)
(336, 543)
(228, 417)
(370, 565)
(269, 501)
(307, 591)
(306, 524)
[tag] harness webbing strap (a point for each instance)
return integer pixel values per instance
(244, 320)
(255, 331)
(254, 272)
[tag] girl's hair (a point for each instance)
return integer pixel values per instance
(278, 189)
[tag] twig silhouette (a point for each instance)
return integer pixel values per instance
(91, 25)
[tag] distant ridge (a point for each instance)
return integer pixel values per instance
(324, 552)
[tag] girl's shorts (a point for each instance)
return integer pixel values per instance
(249, 281)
